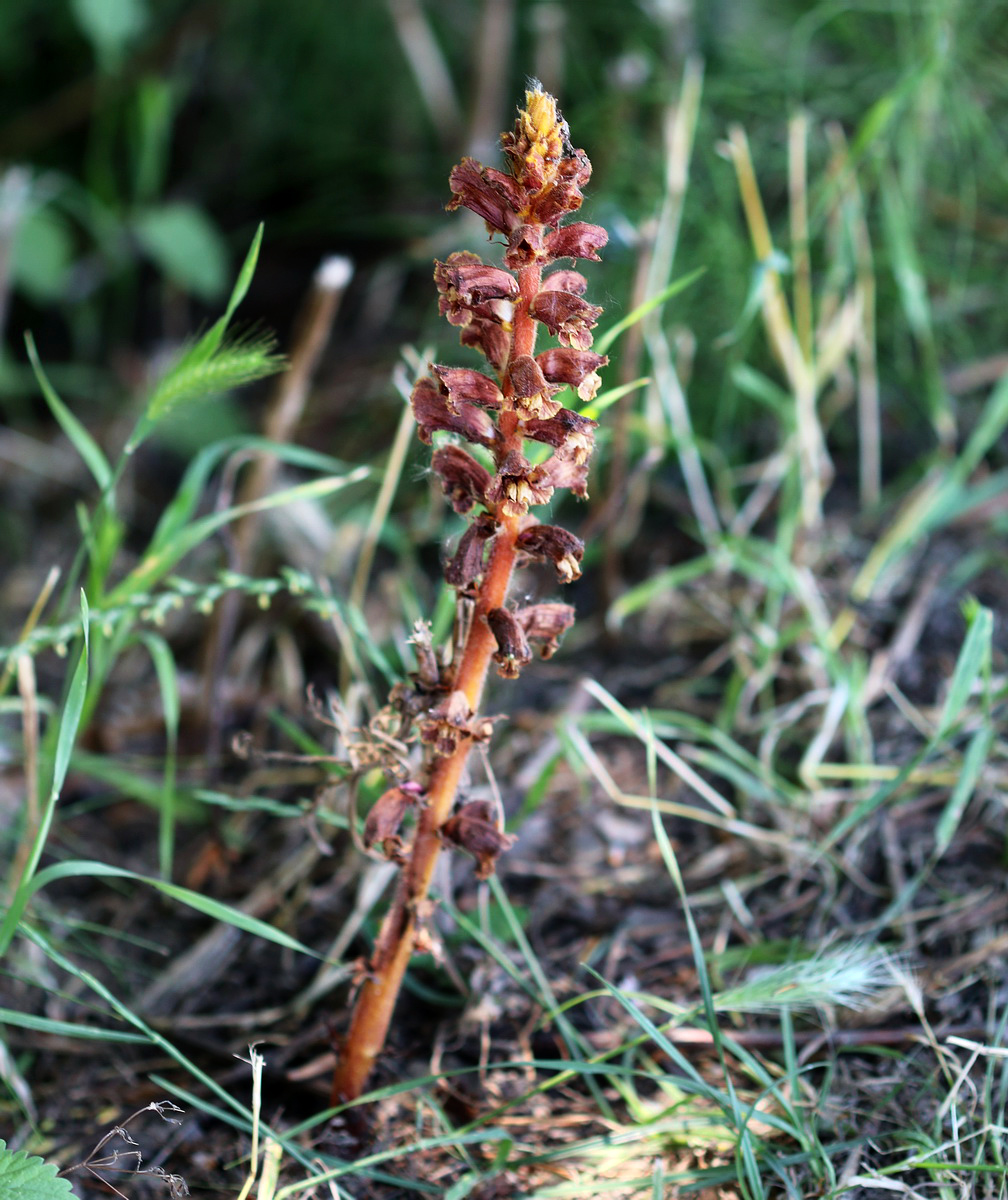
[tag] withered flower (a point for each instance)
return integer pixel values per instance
(512, 645)
(447, 724)
(462, 385)
(557, 546)
(546, 623)
(531, 394)
(518, 484)
(526, 245)
(475, 830)
(428, 673)
(559, 472)
(572, 435)
(579, 368)
(566, 316)
(488, 336)
(565, 281)
(465, 567)
(490, 194)
(465, 481)
(577, 240)
(433, 412)
(383, 822)
(465, 281)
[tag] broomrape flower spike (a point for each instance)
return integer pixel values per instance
(521, 397)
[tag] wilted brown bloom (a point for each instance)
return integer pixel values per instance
(577, 240)
(465, 567)
(565, 281)
(578, 368)
(428, 674)
(546, 623)
(447, 724)
(560, 472)
(490, 194)
(462, 385)
(531, 394)
(572, 435)
(557, 546)
(383, 822)
(518, 484)
(474, 829)
(567, 317)
(464, 480)
(512, 645)
(433, 412)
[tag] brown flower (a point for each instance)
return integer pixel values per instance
(546, 623)
(447, 724)
(464, 480)
(572, 435)
(474, 829)
(433, 412)
(465, 282)
(517, 484)
(464, 386)
(560, 472)
(486, 334)
(531, 394)
(512, 645)
(385, 819)
(464, 569)
(525, 246)
(566, 316)
(490, 194)
(565, 281)
(579, 368)
(556, 545)
(577, 240)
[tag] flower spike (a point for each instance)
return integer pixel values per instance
(518, 401)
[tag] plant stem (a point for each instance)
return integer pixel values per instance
(393, 949)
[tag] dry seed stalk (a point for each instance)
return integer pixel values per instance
(498, 311)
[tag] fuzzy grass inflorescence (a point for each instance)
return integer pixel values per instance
(499, 311)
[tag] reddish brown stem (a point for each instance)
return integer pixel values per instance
(393, 949)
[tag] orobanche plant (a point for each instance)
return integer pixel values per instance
(499, 311)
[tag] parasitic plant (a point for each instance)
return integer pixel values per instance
(498, 310)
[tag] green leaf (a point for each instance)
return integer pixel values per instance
(73, 708)
(186, 245)
(69, 723)
(91, 869)
(603, 342)
(82, 441)
(974, 761)
(167, 675)
(974, 659)
(25, 1176)
(70, 1029)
